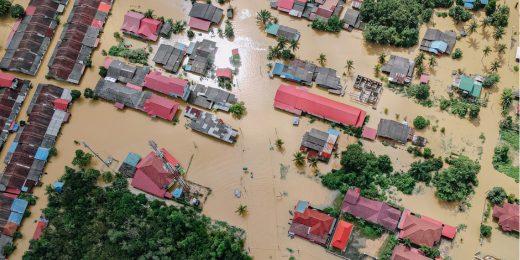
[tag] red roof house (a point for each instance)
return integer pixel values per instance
(6, 80)
(170, 86)
(507, 216)
(200, 24)
(226, 73)
(151, 177)
(161, 107)
(312, 225)
(374, 211)
(61, 104)
(285, 5)
(448, 231)
(342, 234)
(402, 252)
(369, 133)
(149, 29)
(419, 230)
(38, 231)
(132, 22)
(296, 100)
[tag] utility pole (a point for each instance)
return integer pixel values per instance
(86, 146)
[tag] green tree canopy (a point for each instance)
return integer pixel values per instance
(497, 195)
(419, 122)
(457, 182)
(17, 11)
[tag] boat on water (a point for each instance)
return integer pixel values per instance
(488, 257)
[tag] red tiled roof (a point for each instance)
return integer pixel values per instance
(420, 231)
(371, 210)
(131, 22)
(200, 24)
(369, 133)
(162, 107)
(402, 252)
(149, 28)
(341, 235)
(508, 216)
(319, 223)
(9, 228)
(6, 80)
(164, 84)
(151, 176)
(294, 98)
(448, 231)
(285, 4)
(224, 73)
(324, 12)
(61, 104)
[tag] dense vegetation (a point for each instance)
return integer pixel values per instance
(510, 139)
(134, 56)
(497, 195)
(89, 222)
(333, 24)
(456, 182)
(394, 22)
(443, 3)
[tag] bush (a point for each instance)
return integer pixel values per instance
(485, 230)
(490, 80)
(53, 151)
(88, 63)
(403, 182)
(427, 153)
(459, 14)
(445, 104)
(443, 130)
(190, 33)
(410, 149)
(457, 182)
(332, 25)
(460, 2)
(422, 92)
(75, 94)
(9, 249)
(456, 54)
(474, 110)
(497, 195)
(515, 68)
(442, 3)
(427, 15)
(419, 122)
(102, 71)
(238, 109)
(228, 30)
(490, 8)
(117, 35)
(17, 11)
(48, 77)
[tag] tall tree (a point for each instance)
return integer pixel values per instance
(433, 60)
(377, 68)
(495, 65)
(501, 48)
(498, 34)
(279, 143)
(241, 210)
(472, 27)
(294, 45)
(322, 59)
(382, 57)
(313, 162)
(299, 158)
(486, 22)
(350, 65)
(487, 51)
(263, 16)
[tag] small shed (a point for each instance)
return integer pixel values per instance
(57, 186)
(234, 52)
(230, 13)
(424, 79)
(296, 120)
(132, 159)
(448, 231)
(224, 73)
(61, 104)
(369, 133)
(177, 193)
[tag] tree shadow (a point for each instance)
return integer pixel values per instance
(473, 43)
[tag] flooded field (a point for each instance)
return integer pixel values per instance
(269, 196)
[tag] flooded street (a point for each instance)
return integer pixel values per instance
(270, 194)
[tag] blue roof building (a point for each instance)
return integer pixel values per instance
(177, 193)
(132, 159)
(42, 154)
(57, 186)
(19, 205)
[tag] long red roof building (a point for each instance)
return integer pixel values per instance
(296, 100)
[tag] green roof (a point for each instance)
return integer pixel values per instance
(272, 28)
(470, 86)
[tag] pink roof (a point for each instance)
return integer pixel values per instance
(38, 231)
(97, 24)
(224, 73)
(30, 10)
(164, 84)
(431, 220)
(200, 24)
(341, 235)
(162, 107)
(119, 105)
(107, 62)
(61, 104)
(234, 51)
(449, 231)
(132, 22)
(369, 133)
(151, 176)
(402, 252)
(285, 4)
(149, 28)
(424, 78)
(324, 12)
(15, 26)
(419, 230)
(134, 86)
(104, 7)
(14, 196)
(330, 4)
(508, 216)
(6, 80)
(293, 98)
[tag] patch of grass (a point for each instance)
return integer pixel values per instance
(511, 137)
(509, 170)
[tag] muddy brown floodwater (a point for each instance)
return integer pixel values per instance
(219, 165)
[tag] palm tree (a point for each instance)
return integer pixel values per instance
(281, 42)
(407, 242)
(4, 7)
(294, 45)
(263, 16)
(377, 68)
(498, 33)
(336, 155)
(350, 65)
(49, 190)
(419, 59)
(299, 159)
(501, 49)
(433, 60)
(419, 70)
(313, 162)
(241, 210)
(322, 59)
(472, 27)
(495, 65)
(149, 14)
(278, 143)
(486, 22)
(382, 57)
(487, 51)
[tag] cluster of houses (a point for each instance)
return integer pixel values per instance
(12, 95)
(320, 144)
(305, 73)
(29, 151)
(200, 56)
(311, 224)
(79, 38)
(11, 214)
(31, 35)
(137, 25)
(202, 15)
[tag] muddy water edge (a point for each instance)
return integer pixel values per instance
(268, 196)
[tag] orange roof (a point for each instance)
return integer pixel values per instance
(10, 228)
(341, 235)
(449, 231)
(104, 7)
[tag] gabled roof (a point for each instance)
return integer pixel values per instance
(164, 84)
(285, 4)
(41, 225)
(149, 28)
(508, 216)
(199, 23)
(162, 107)
(342, 234)
(118, 93)
(420, 231)
(319, 223)
(151, 176)
(394, 130)
(61, 104)
(402, 252)
(226, 73)
(207, 12)
(132, 22)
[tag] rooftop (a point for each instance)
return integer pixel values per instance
(208, 97)
(342, 234)
(170, 57)
(394, 130)
(312, 225)
(400, 69)
(210, 125)
(207, 12)
(508, 216)
(420, 231)
(402, 252)
(448, 38)
(151, 176)
(170, 86)
(161, 107)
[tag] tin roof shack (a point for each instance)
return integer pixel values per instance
(171, 58)
(321, 144)
(402, 252)
(209, 124)
(369, 90)
(438, 42)
(281, 30)
(352, 20)
(370, 210)
(468, 87)
(78, 39)
(400, 69)
(310, 224)
(296, 100)
(30, 37)
(120, 71)
(202, 57)
(151, 176)
(395, 131)
(297, 71)
(327, 78)
(508, 216)
(206, 12)
(208, 97)
(11, 100)
(29, 151)
(174, 87)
